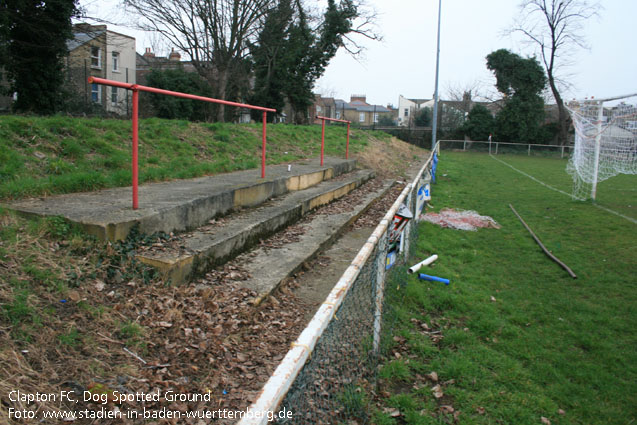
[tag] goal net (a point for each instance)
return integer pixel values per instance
(605, 142)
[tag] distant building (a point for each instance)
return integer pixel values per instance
(358, 111)
(148, 61)
(98, 52)
(323, 106)
(407, 108)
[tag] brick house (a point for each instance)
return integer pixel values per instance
(98, 52)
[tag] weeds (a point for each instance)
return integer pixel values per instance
(71, 339)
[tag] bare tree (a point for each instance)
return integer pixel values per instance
(555, 27)
(213, 33)
(365, 25)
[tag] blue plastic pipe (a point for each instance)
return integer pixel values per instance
(422, 276)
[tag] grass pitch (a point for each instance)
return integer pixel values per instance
(521, 341)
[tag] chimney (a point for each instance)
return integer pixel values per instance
(359, 97)
(149, 53)
(174, 56)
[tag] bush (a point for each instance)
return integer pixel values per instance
(180, 81)
(479, 124)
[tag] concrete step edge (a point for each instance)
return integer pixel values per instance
(215, 250)
(317, 242)
(112, 218)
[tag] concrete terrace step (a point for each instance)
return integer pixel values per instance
(268, 267)
(182, 204)
(192, 254)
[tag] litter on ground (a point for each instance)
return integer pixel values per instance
(460, 220)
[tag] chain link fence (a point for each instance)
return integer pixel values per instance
(329, 375)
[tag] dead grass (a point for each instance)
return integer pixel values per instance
(389, 158)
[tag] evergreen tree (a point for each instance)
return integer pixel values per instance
(479, 124)
(34, 37)
(521, 81)
(181, 81)
(290, 56)
(422, 117)
(271, 55)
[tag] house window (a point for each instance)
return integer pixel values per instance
(114, 95)
(96, 57)
(116, 61)
(406, 112)
(318, 109)
(338, 115)
(375, 117)
(95, 93)
(361, 117)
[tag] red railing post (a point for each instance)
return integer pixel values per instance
(347, 144)
(135, 148)
(322, 140)
(265, 116)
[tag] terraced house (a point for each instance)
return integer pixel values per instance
(358, 111)
(96, 51)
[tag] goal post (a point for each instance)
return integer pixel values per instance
(605, 142)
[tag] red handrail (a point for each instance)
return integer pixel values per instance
(137, 88)
(323, 119)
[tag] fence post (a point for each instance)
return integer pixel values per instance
(562, 152)
(529, 154)
(381, 261)
(347, 143)
(135, 148)
(464, 145)
(496, 148)
(322, 140)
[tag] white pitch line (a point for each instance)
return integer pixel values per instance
(632, 220)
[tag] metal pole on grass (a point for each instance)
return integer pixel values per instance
(322, 140)
(347, 143)
(135, 147)
(265, 117)
(435, 117)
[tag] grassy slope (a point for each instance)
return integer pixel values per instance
(60, 154)
(545, 342)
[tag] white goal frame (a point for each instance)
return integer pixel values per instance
(597, 143)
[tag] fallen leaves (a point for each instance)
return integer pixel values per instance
(437, 391)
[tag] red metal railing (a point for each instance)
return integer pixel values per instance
(323, 119)
(137, 88)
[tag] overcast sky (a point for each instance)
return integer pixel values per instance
(404, 62)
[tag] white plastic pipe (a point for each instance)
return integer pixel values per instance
(423, 263)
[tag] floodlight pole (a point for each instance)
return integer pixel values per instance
(434, 127)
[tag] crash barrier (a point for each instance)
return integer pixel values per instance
(323, 119)
(331, 368)
(135, 88)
